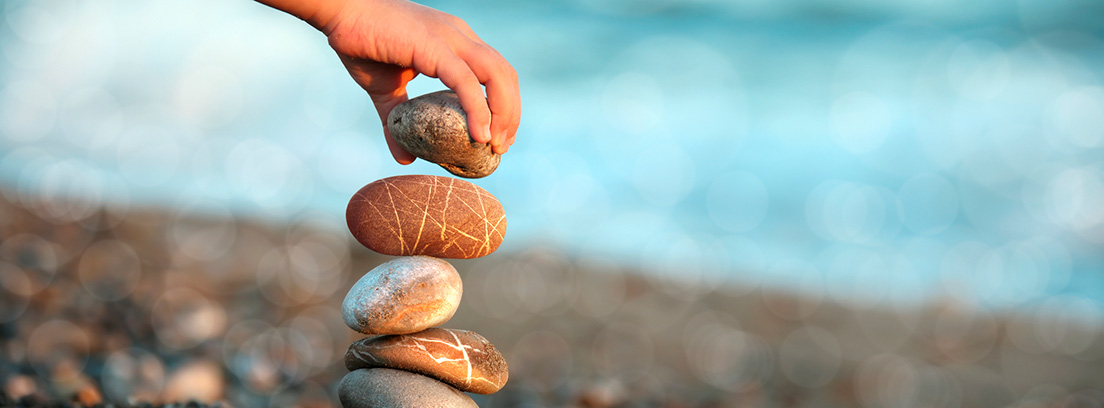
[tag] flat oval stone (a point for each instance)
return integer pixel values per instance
(403, 295)
(387, 388)
(434, 127)
(434, 216)
(460, 358)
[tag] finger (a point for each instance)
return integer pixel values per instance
(509, 142)
(505, 115)
(456, 75)
(401, 156)
(503, 94)
(384, 105)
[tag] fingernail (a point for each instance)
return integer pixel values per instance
(487, 133)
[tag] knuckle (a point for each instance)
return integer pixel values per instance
(456, 21)
(512, 75)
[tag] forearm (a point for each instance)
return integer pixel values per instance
(320, 14)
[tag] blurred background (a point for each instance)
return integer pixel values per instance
(711, 203)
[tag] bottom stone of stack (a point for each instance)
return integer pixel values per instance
(389, 388)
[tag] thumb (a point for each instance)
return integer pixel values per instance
(384, 107)
(401, 155)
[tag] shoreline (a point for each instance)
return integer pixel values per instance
(239, 311)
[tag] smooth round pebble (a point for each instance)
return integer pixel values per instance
(434, 216)
(434, 127)
(403, 295)
(388, 388)
(460, 358)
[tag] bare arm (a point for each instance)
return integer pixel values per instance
(386, 43)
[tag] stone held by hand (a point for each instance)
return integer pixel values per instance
(434, 127)
(434, 216)
(460, 358)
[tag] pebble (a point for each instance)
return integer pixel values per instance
(434, 216)
(19, 386)
(434, 127)
(460, 358)
(403, 295)
(200, 380)
(388, 388)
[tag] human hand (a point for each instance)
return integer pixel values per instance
(386, 43)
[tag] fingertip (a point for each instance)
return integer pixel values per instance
(401, 156)
(482, 134)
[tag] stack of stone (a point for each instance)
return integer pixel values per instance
(408, 361)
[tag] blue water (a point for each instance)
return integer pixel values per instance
(854, 150)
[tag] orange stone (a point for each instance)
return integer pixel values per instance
(435, 216)
(460, 358)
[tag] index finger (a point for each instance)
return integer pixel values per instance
(503, 94)
(458, 76)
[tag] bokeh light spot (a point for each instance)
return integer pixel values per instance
(847, 212)
(978, 70)
(133, 374)
(15, 288)
(109, 269)
(737, 201)
(332, 102)
(810, 357)
(148, 156)
(35, 256)
(725, 357)
(603, 291)
(543, 358)
(664, 174)
(184, 318)
(927, 204)
(623, 350)
(964, 335)
(39, 22)
(208, 96)
(633, 102)
(860, 122)
(1078, 115)
(345, 160)
(27, 111)
(202, 230)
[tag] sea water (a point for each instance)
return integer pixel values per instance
(854, 150)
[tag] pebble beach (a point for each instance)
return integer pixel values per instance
(146, 307)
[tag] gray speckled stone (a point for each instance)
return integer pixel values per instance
(434, 127)
(403, 295)
(387, 388)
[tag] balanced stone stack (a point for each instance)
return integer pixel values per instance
(409, 361)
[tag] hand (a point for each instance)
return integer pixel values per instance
(386, 43)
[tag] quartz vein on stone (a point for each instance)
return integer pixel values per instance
(427, 215)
